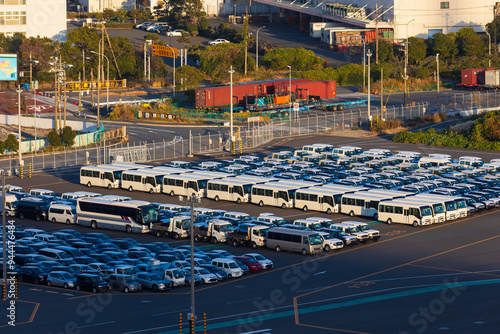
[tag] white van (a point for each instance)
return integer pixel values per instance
(229, 266)
(364, 227)
(62, 213)
(39, 192)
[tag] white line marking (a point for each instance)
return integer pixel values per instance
(245, 300)
(478, 322)
(320, 273)
(102, 323)
(179, 311)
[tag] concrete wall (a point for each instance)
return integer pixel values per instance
(46, 123)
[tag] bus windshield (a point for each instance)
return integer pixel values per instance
(202, 184)
(247, 188)
(148, 215)
(263, 232)
(117, 175)
(461, 204)
(426, 211)
(438, 208)
(315, 239)
(451, 205)
(159, 179)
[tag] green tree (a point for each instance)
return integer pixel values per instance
(2, 147)
(192, 76)
(122, 15)
(445, 45)
(11, 143)
(134, 14)
(146, 14)
(298, 58)
(54, 139)
(107, 14)
(385, 50)
(68, 136)
(469, 42)
(417, 50)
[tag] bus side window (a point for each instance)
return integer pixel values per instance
(305, 240)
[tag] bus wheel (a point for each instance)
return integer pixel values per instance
(305, 208)
(158, 234)
(304, 252)
(283, 206)
(93, 224)
(130, 189)
(351, 213)
(329, 211)
(415, 223)
(151, 191)
(216, 198)
(68, 222)
(213, 240)
(172, 193)
(109, 186)
(277, 249)
(389, 221)
(128, 229)
(261, 203)
(234, 243)
(89, 184)
(238, 201)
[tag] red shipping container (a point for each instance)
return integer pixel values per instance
(473, 76)
(324, 89)
(369, 36)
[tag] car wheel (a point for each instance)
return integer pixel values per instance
(126, 290)
(155, 288)
(283, 206)
(329, 211)
(216, 198)
(261, 203)
(305, 208)
(89, 184)
(109, 186)
(158, 234)
(66, 286)
(93, 224)
(54, 220)
(77, 288)
(94, 290)
(234, 243)
(130, 189)
(21, 216)
(196, 237)
(128, 229)
(253, 245)
(415, 224)
(277, 249)
(49, 283)
(36, 281)
(351, 213)
(389, 221)
(238, 201)
(68, 222)
(327, 248)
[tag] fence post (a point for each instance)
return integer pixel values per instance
(174, 147)
(342, 119)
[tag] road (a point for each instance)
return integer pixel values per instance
(414, 280)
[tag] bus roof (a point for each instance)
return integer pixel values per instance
(292, 231)
(132, 203)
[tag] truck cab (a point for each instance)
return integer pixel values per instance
(176, 276)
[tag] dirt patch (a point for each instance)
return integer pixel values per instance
(26, 133)
(353, 133)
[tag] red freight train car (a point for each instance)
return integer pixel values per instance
(474, 77)
(220, 96)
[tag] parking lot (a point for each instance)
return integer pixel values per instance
(427, 279)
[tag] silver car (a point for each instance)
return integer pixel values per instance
(62, 279)
(153, 281)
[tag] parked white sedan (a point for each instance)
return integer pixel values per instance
(218, 41)
(174, 33)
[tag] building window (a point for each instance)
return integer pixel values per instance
(13, 18)
(445, 5)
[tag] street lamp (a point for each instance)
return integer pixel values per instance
(489, 47)
(369, 54)
(405, 77)
(364, 60)
(19, 90)
(174, 54)
(32, 87)
(231, 71)
(107, 80)
(290, 94)
(257, 49)
(437, 63)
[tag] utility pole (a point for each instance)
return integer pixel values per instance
(19, 90)
(376, 37)
(56, 85)
(369, 54)
(381, 90)
(231, 71)
(83, 58)
(79, 94)
(437, 63)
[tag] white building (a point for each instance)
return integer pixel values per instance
(420, 18)
(44, 18)
(235, 7)
(97, 6)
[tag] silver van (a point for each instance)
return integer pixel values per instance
(62, 213)
(229, 266)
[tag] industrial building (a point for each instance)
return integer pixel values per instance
(44, 18)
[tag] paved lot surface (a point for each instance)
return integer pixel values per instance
(441, 278)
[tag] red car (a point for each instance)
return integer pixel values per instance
(251, 263)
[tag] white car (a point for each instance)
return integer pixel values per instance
(330, 242)
(174, 33)
(218, 41)
(267, 264)
(205, 275)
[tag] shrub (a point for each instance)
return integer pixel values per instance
(54, 139)
(11, 143)
(68, 136)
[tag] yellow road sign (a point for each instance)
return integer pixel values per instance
(164, 51)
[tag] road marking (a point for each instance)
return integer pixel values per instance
(245, 300)
(444, 328)
(146, 301)
(320, 273)
(100, 324)
(478, 322)
(261, 331)
(179, 311)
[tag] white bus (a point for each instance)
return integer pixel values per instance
(274, 194)
(469, 161)
(230, 189)
(305, 242)
(405, 212)
(107, 176)
(128, 216)
(318, 199)
(130, 165)
(435, 161)
(143, 180)
(362, 204)
(187, 184)
(455, 207)
(438, 209)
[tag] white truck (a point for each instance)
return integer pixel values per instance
(10, 204)
(176, 227)
(214, 230)
(248, 234)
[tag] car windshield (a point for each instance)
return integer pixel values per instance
(315, 239)
(426, 211)
(233, 265)
(203, 272)
(129, 279)
(64, 255)
(259, 257)
(226, 228)
(67, 276)
(98, 279)
(154, 277)
(178, 274)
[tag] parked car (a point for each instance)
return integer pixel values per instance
(218, 41)
(32, 274)
(153, 281)
(205, 275)
(175, 33)
(62, 279)
(266, 263)
(252, 264)
(91, 282)
(125, 283)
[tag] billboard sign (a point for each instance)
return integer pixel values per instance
(164, 51)
(8, 67)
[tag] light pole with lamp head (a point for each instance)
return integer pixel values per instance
(405, 77)
(174, 55)
(231, 71)
(437, 64)
(32, 87)
(489, 47)
(257, 49)
(369, 54)
(290, 94)
(107, 80)
(19, 90)
(364, 60)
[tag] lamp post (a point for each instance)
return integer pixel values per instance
(107, 80)
(231, 71)
(405, 77)
(290, 94)
(32, 87)
(364, 61)
(489, 47)
(174, 56)
(437, 64)
(369, 54)
(257, 49)
(19, 90)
